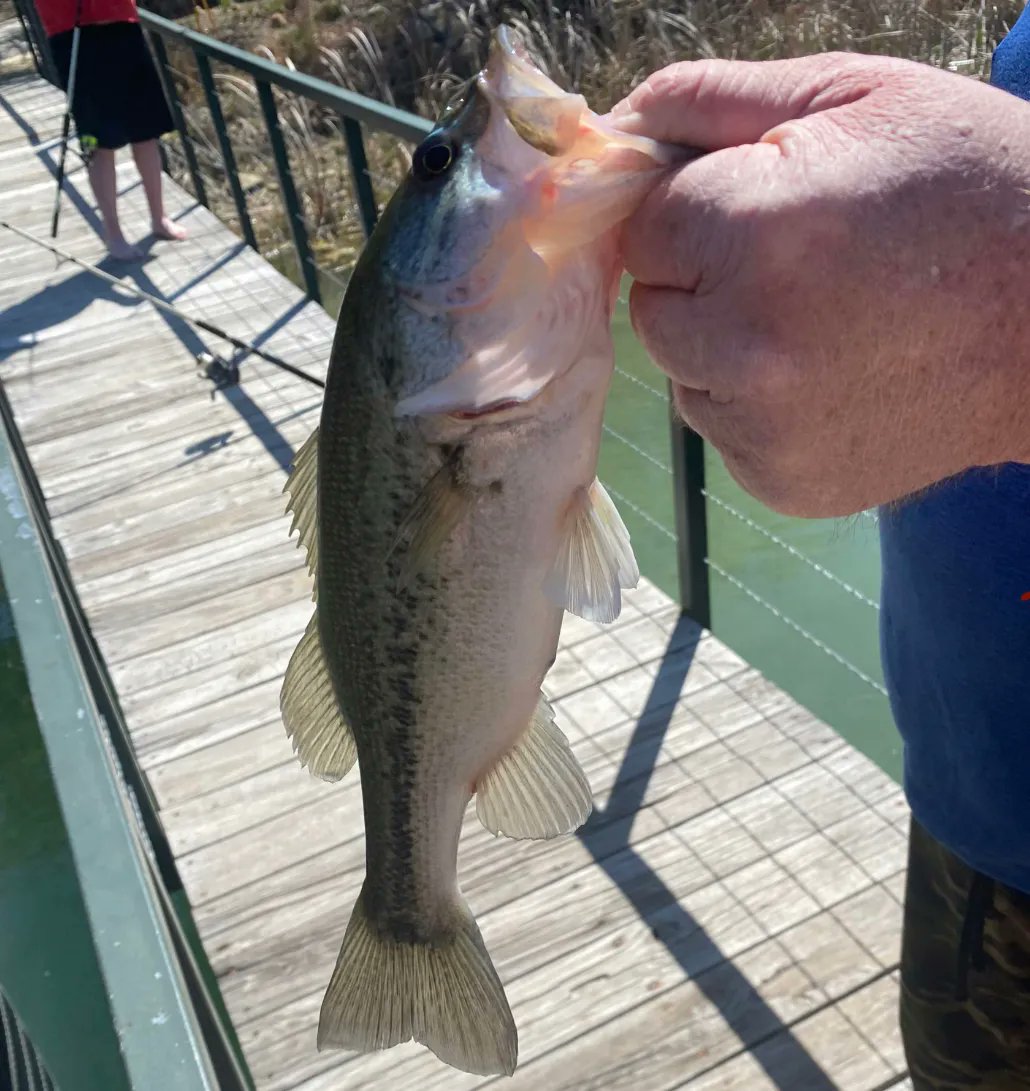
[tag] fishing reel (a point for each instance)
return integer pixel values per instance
(221, 373)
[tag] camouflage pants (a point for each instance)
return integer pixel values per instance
(965, 975)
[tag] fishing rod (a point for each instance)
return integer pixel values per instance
(200, 323)
(66, 124)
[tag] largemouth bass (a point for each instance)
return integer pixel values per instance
(449, 505)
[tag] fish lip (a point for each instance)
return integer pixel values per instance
(544, 115)
(502, 405)
(509, 51)
(463, 411)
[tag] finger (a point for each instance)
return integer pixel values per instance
(717, 347)
(697, 341)
(721, 104)
(693, 230)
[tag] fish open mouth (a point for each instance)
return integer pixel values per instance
(550, 182)
(545, 117)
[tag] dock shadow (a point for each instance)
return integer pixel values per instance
(762, 1033)
(25, 325)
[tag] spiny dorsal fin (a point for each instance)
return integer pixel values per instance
(302, 485)
(537, 790)
(595, 558)
(438, 509)
(445, 994)
(321, 737)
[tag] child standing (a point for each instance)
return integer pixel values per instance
(117, 100)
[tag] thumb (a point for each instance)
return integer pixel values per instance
(721, 104)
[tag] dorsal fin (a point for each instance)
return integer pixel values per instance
(302, 486)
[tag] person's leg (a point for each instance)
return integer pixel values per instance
(148, 162)
(965, 975)
(105, 189)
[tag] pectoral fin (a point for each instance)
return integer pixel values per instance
(322, 739)
(537, 790)
(595, 559)
(438, 509)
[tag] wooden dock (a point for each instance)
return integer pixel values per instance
(728, 920)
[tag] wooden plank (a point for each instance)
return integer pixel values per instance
(211, 723)
(848, 1057)
(221, 469)
(192, 575)
(236, 759)
(209, 617)
(632, 1006)
(237, 511)
(741, 873)
(225, 676)
(165, 427)
(193, 653)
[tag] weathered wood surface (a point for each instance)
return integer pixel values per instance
(730, 917)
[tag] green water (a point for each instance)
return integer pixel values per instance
(48, 968)
(797, 624)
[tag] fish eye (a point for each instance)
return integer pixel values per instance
(434, 158)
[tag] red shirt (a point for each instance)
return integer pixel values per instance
(59, 15)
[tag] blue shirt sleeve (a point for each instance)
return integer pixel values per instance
(1010, 67)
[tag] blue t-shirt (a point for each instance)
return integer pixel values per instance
(955, 637)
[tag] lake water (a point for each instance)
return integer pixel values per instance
(797, 598)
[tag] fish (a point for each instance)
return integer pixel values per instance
(449, 506)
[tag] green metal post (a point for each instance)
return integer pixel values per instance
(32, 28)
(225, 143)
(688, 477)
(168, 81)
(359, 172)
(156, 1026)
(291, 202)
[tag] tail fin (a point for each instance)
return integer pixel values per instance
(446, 996)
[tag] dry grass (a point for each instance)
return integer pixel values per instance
(416, 56)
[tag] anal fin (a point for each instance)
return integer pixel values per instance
(537, 790)
(322, 739)
(595, 559)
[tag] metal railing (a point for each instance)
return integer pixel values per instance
(20, 1062)
(168, 1025)
(356, 113)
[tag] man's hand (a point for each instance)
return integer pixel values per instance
(840, 291)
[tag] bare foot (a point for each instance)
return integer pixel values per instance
(123, 250)
(167, 228)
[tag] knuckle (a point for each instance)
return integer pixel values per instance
(681, 85)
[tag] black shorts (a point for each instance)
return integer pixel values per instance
(118, 97)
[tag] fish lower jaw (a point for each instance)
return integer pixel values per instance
(462, 422)
(491, 410)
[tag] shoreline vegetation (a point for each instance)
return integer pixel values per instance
(418, 56)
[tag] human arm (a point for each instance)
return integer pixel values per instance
(839, 290)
